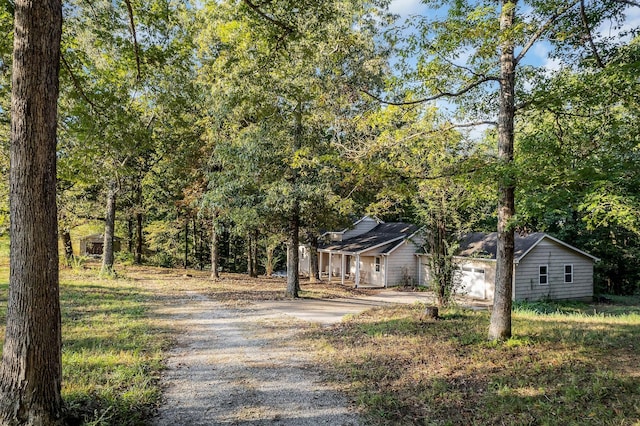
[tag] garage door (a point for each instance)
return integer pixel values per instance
(472, 282)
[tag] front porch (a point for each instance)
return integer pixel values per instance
(351, 269)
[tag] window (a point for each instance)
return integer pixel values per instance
(568, 274)
(377, 264)
(543, 274)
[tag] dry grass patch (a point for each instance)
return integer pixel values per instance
(236, 288)
(560, 369)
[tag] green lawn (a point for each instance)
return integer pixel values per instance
(574, 366)
(112, 351)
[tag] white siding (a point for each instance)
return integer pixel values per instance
(549, 253)
(424, 272)
(304, 260)
(363, 226)
(368, 275)
(402, 264)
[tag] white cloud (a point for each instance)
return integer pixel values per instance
(540, 56)
(631, 21)
(405, 8)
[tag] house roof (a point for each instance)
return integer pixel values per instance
(482, 245)
(384, 236)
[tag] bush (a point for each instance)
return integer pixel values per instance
(164, 260)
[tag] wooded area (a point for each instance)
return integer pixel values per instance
(247, 126)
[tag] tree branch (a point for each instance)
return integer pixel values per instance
(585, 23)
(289, 29)
(440, 94)
(136, 48)
(542, 30)
(76, 84)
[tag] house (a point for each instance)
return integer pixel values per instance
(544, 268)
(92, 245)
(371, 253)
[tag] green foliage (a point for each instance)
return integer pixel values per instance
(585, 190)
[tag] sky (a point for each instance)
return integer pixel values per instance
(539, 54)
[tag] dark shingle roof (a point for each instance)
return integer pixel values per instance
(383, 233)
(480, 244)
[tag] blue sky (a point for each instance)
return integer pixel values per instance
(539, 54)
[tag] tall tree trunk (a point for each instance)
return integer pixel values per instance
(68, 245)
(31, 372)
(186, 243)
(249, 256)
(196, 254)
(130, 235)
(109, 229)
(500, 326)
(293, 255)
(139, 240)
(215, 254)
(293, 238)
(256, 236)
(314, 273)
(269, 264)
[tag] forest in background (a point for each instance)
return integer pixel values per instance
(226, 125)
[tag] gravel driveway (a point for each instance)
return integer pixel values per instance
(243, 366)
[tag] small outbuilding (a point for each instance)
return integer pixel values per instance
(93, 245)
(544, 268)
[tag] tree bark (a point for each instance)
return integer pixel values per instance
(68, 246)
(130, 234)
(31, 372)
(500, 326)
(256, 236)
(314, 269)
(186, 243)
(215, 253)
(293, 238)
(293, 242)
(269, 264)
(139, 240)
(109, 229)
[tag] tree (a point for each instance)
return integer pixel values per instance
(467, 54)
(301, 58)
(586, 190)
(420, 165)
(31, 370)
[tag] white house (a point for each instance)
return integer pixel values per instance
(376, 254)
(544, 268)
(371, 253)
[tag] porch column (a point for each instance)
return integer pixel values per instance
(330, 266)
(342, 269)
(319, 265)
(357, 270)
(385, 271)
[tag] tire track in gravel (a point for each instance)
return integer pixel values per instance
(242, 367)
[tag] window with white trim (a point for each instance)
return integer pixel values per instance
(376, 263)
(543, 274)
(568, 274)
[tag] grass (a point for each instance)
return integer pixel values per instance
(114, 346)
(112, 351)
(572, 368)
(568, 363)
